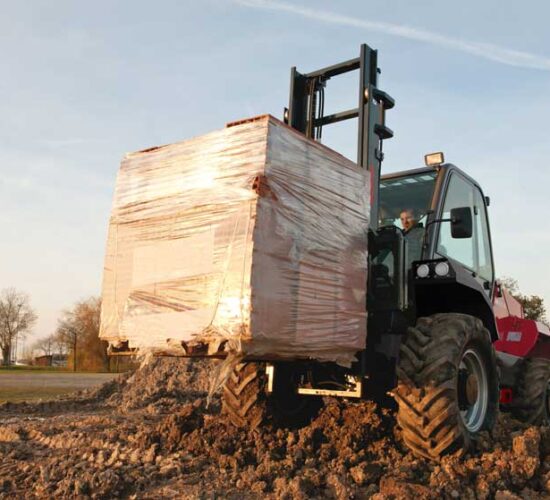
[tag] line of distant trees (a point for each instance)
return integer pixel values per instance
(76, 336)
(78, 330)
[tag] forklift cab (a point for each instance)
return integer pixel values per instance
(436, 196)
(448, 256)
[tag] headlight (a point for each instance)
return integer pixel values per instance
(423, 271)
(434, 159)
(442, 269)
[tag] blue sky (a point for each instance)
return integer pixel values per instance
(82, 83)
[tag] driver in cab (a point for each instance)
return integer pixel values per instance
(413, 232)
(408, 219)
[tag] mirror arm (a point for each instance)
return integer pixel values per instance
(425, 242)
(437, 220)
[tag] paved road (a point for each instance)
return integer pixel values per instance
(52, 379)
(28, 385)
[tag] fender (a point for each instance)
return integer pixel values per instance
(457, 292)
(519, 337)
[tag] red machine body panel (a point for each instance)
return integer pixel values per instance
(518, 336)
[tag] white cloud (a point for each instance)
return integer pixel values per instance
(488, 51)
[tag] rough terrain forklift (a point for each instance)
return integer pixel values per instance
(445, 340)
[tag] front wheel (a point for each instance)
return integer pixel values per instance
(447, 384)
(244, 398)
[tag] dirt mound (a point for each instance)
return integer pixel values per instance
(158, 385)
(151, 435)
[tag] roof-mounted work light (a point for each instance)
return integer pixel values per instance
(434, 159)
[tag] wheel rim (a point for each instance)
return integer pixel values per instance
(473, 390)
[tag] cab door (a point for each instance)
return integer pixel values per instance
(473, 254)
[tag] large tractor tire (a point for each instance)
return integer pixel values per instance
(244, 399)
(532, 392)
(247, 403)
(448, 387)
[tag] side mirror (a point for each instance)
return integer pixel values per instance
(461, 222)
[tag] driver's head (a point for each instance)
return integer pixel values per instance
(408, 219)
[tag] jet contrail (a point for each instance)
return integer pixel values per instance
(486, 50)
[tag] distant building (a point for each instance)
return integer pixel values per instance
(43, 360)
(24, 362)
(59, 360)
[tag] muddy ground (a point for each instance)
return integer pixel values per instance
(150, 435)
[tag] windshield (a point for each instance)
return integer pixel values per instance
(404, 202)
(410, 193)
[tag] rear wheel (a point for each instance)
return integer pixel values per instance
(532, 392)
(247, 403)
(447, 384)
(287, 407)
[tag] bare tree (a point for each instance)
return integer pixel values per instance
(45, 345)
(16, 319)
(69, 333)
(59, 347)
(78, 329)
(28, 354)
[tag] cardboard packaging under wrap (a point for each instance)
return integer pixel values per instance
(251, 239)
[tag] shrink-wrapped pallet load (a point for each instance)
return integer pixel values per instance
(250, 240)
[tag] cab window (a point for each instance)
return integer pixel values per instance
(411, 196)
(408, 192)
(474, 252)
(459, 194)
(481, 235)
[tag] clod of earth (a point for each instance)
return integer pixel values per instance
(151, 435)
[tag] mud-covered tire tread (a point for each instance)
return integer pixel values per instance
(530, 391)
(244, 396)
(247, 404)
(428, 411)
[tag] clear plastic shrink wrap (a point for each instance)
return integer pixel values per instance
(251, 239)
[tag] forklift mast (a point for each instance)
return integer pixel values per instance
(305, 112)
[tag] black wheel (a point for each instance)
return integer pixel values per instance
(244, 399)
(447, 384)
(247, 404)
(287, 407)
(532, 392)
